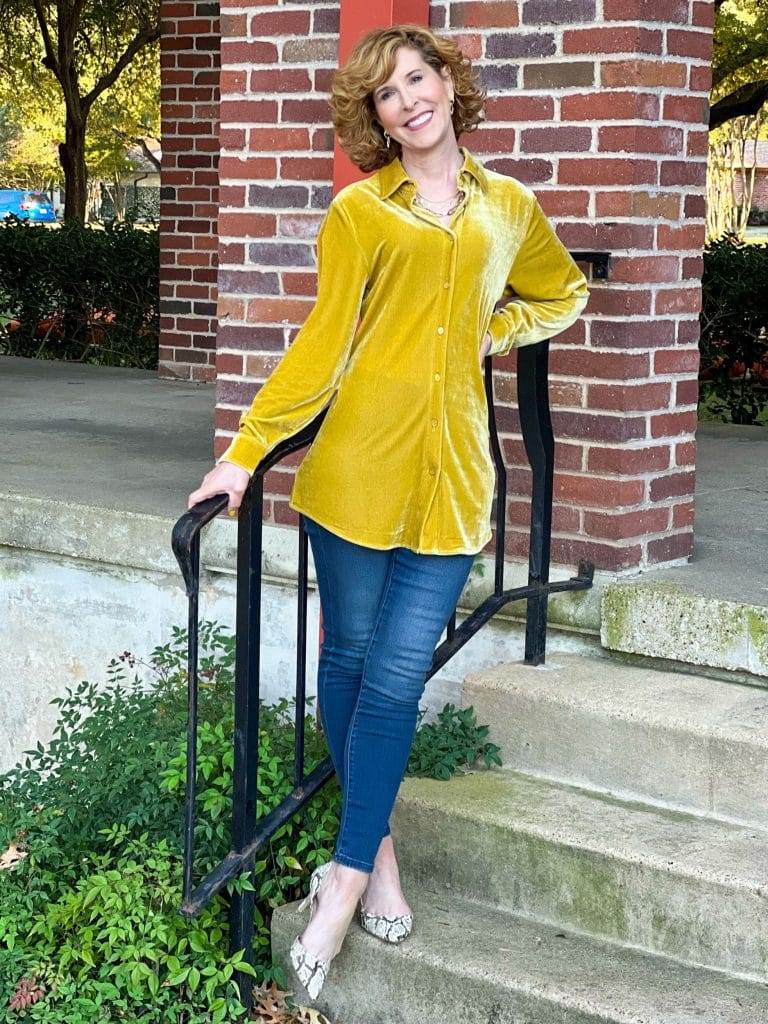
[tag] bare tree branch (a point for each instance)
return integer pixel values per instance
(147, 35)
(148, 153)
(50, 54)
(140, 140)
(746, 100)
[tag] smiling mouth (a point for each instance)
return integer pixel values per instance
(420, 120)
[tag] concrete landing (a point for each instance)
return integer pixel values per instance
(125, 440)
(730, 560)
(111, 438)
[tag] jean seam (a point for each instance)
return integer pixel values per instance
(323, 719)
(350, 736)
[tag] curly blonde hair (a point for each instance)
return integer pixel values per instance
(370, 63)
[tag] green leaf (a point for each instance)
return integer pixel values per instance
(198, 942)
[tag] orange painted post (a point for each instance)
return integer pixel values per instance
(355, 19)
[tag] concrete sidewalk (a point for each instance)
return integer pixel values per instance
(114, 438)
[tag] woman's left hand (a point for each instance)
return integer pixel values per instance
(487, 341)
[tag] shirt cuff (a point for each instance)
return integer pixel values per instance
(498, 329)
(243, 452)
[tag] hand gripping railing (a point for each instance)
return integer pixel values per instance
(249, 834)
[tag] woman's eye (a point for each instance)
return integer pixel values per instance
(416, 78)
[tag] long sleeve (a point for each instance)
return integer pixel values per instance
(304, 380)
(552, 290)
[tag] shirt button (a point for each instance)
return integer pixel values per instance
(437, 376)
(440, 330)
(434, 423)
(446, 284)
(432, 470)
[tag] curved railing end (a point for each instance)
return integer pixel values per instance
(187, 528)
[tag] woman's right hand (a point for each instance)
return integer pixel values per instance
(224, 478)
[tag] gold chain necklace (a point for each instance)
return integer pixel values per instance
(453, 202)
(437, 207)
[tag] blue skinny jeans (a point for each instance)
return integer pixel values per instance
(383, 615)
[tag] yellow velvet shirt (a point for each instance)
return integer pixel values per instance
(403, 303)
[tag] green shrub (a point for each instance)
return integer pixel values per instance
(89, 923)
(734, 331)
(81, 293)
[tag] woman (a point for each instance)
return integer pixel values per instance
(396, 489)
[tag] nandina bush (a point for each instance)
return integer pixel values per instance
(91, 829)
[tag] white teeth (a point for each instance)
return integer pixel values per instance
(420, 119)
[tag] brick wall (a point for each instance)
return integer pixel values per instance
(607, 121)
(276, 169)
(189, 193)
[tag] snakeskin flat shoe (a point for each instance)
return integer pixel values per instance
(310, 970)
(390, 929)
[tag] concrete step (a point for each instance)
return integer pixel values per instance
(690, 887)
(677, 739)
(468, 963)
(717, 618)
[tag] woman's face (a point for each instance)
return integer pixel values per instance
(412, 90)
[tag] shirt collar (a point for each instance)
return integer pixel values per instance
(393, 174)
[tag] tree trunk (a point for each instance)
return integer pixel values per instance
(72, 156)
(93, 208)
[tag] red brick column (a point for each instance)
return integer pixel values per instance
(189, 189)
(607, 122)
(618, 160)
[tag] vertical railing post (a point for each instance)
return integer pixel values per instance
(539, 442)
(501, 480)
(246, 738)
(193, 592)
(301, 653)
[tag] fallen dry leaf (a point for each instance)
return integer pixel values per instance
(11, 856)
(269, 1007)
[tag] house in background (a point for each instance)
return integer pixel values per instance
(755, 155)
(138, 191)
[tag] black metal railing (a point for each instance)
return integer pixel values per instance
(249, 834)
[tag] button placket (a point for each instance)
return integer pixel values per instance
(438, 376)
(430, 527)
(434, 434)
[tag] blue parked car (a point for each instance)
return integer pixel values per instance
(26, 204)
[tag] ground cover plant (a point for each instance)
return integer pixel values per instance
(90, 843)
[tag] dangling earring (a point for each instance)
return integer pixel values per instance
(387, 137)
(451, 106)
